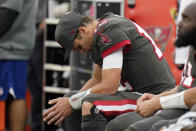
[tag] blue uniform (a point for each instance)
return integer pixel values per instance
(13, 76)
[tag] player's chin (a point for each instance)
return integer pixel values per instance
(179, 34)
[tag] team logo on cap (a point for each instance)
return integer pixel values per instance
(72, 32)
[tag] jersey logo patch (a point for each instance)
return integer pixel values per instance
(105, 39)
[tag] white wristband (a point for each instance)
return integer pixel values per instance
(76, 100)
(173, 101)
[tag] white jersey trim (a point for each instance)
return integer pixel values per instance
(114, 60)
(117, 108)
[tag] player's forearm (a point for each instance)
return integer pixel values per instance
(109, 82)
(190, 97)
(101, 88)
(98, 87)
(157, 102)
(105, 88)
(89, 84)
(166, 93)
(96, 78)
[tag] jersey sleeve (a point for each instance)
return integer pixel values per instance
(188, 77)
(8, 17)
(9, 11)
(110, 38)
(114, 60)
(15, 5)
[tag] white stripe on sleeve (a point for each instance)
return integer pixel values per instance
(113, 60)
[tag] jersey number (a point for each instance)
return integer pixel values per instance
(187, 79)
(156, 49)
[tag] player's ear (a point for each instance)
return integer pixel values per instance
(82, 29)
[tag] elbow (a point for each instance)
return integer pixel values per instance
(111, 90)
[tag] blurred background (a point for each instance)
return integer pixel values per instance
(50, 76)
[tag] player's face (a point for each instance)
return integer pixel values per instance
(186, 28)
(83, 41)
(186, 24)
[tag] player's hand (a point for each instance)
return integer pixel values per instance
(144, 97)
(58, 112)
(148, 107)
